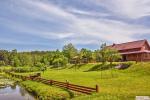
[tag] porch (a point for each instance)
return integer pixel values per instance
(136, 56)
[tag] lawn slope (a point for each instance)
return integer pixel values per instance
(114, 84)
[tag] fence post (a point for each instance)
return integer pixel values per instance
(97, 88)
(51, 82)
(67, 84)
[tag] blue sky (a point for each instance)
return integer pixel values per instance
(49, 24)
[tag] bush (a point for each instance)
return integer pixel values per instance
(2, 63)
(129, 63)
(39, 65)
(58, 62)
(25, 69)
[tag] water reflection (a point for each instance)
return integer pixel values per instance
(15, 93)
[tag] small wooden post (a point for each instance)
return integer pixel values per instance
(26, 78)
(51, 82)
(97, 88)
(67, 84)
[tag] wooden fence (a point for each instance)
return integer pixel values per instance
(66, 85)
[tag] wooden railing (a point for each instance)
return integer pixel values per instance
(66, 85)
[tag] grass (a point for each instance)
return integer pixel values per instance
(45, 92)
(114, 84)
(40, 90)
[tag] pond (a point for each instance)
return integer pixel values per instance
(14, 92)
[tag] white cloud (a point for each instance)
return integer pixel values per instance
(81, 30)
(23, 28)
(87, 13)
(127, 8)
(47, 8)
(113, 31)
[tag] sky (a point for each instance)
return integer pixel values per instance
(50, 24)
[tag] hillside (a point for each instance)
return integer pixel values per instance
(114, 84)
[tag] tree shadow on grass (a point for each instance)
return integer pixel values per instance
(100, 67)
(58, 68)
(77, 66)
(94, 68)
(74, 66)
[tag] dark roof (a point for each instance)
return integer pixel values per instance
(129, 45)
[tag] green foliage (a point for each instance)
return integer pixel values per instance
(129, 63)
(4, 57)
(39, 64)
(59, 60)
(25, 59)
(113, 55)
(2, 63)
(69, 51)
(44, 60)
(103, 53)
(25, 69)
(16, 62)
(106, 54)
(34, 58)
(85, 55)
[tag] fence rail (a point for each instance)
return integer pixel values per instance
(66, 85)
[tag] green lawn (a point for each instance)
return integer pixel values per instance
(45, 92)
(114, 84)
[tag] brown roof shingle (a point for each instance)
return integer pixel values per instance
(128, 45)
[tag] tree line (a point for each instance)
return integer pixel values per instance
(68, 54)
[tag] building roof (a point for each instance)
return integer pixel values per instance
(136, 52)
(129, 45)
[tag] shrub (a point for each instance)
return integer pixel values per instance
(39, 65)
(25, 69)
(129, 63)
(2, 63)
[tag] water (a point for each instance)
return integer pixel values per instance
(15, 92)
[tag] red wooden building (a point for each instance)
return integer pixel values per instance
(133, 51)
